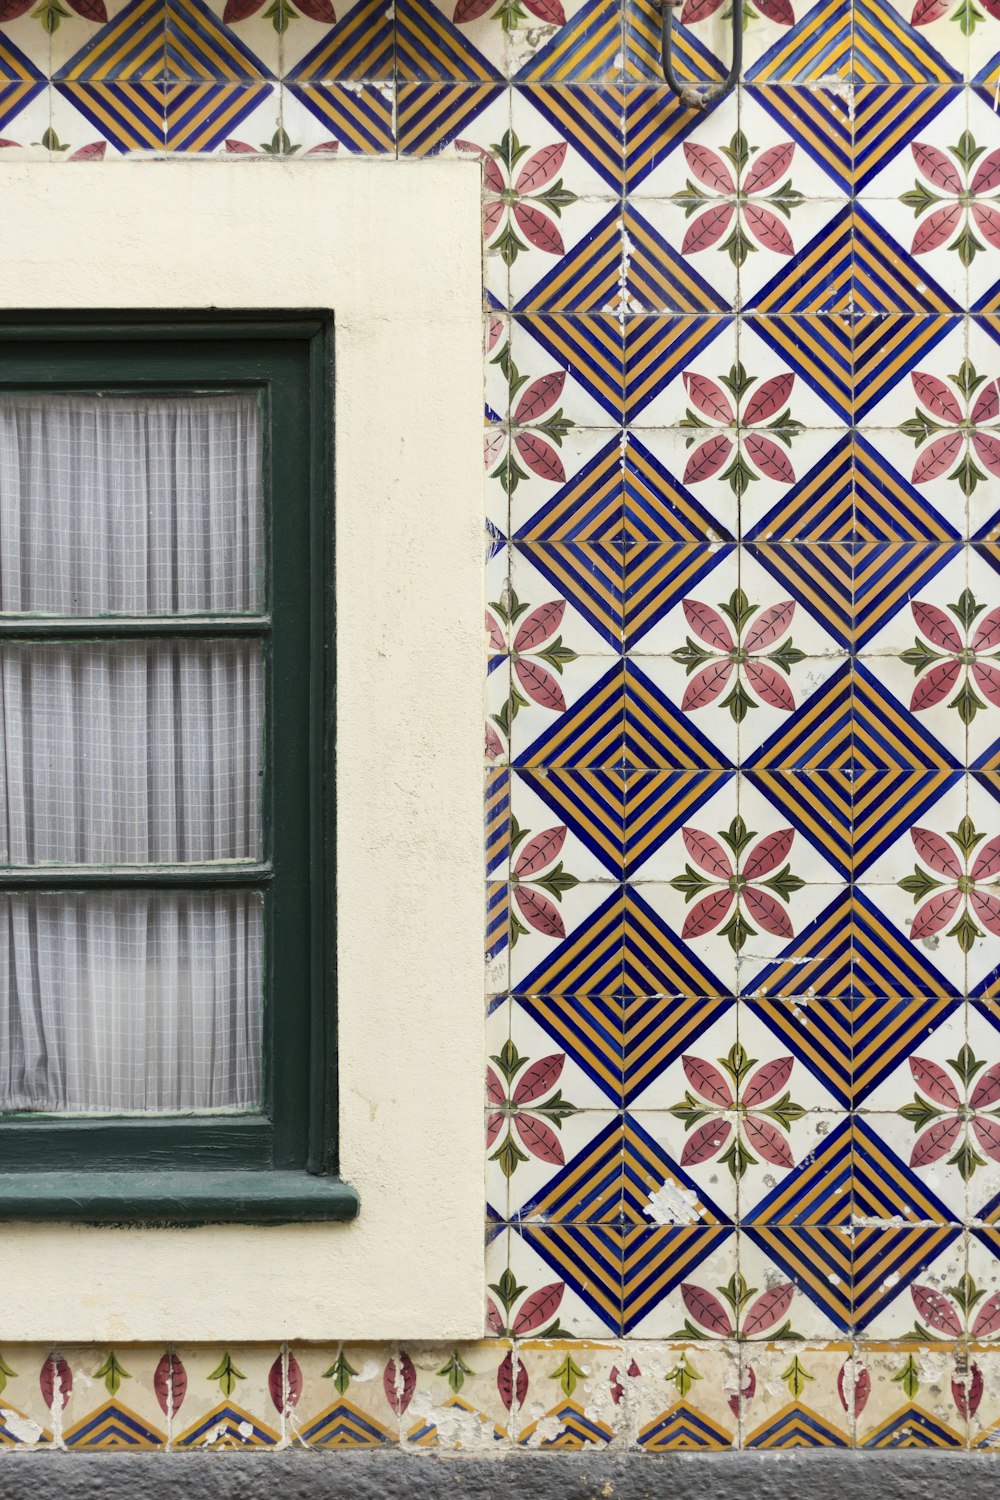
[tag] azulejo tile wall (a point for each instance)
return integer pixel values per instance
(742, 777)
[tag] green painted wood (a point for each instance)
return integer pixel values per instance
(287, 360)
(171, 1195)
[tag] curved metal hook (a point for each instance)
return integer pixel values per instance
(689, 93)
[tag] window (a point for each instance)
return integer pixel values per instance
(166, 836)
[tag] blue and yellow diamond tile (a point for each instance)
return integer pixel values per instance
(20, 81)
(887, 575)
(887, 118)
(671, 264)
(657, 803)
(656, 122)
(658, 575)
(585, 729)
(587, 278)
(818, 963)
(658, 506)
(659, 735)
(660, 1029)
(817, 351)
(577, 817)
(587, 50)
(431, 48)
(663, 353)
(585, 1260)
(817, 805)
(589, 577)
(431, 116)
(148, 86)
(588, 505)
(810, 273)
(890, 509)
(817, 48)
(688, 1148)
(656, 960)
(818, 120)
(887, 351)
(664, 586)
(359, 46)
(694, 61)
(817, 505)
(590, 347)
(815, 1031)
(886, 278)
(888, 1262)
(586, 1185)
(888, 49)
(811, 1264)
(589, 1030)
(888, 1029)
(152, 42)
(660, 276)
(589, 119)
(887, 966)
(496, 820)
(200, 48)
(817, 579)
(818, 737)
(588, 960)
(658, 1262)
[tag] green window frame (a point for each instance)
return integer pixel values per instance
(280, 1164)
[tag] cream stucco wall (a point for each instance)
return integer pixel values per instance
(393, 248)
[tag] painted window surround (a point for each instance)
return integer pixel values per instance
(408, 410)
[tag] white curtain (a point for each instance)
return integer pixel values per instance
(130, 752)
(118, 505)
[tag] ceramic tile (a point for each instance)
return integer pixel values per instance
(741, 753)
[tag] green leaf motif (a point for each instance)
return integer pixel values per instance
(966, 932)
(6, 1372)
(737, 1158)
(112, 1372)
(920, 1113)
(567, 1374)
(683, 1376)
(738, 701)
(50, 13)
(796, 1376)
(966, 1064)
(227, 1374)
(737, 930)
(965, 836)
(279, 13)
(920, 199)
(967, 608)
(919, 884)
(784, 884)
(455, 1370)
(908, 1377)
(507, 1289)
(340, 1372)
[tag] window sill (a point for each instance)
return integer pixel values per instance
(165, 1197)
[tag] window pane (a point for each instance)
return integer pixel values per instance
(130, 752)
(130, 505)
(130, 1002)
